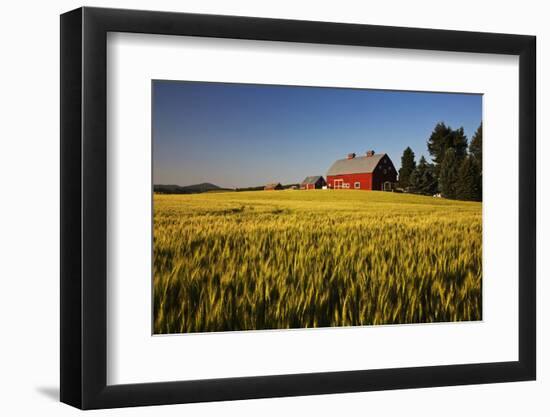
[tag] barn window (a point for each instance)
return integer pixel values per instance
(385, 171)
(357, 184)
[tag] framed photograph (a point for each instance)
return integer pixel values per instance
(256, 208)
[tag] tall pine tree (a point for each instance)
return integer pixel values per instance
(467, 186)
(423, 180)
(408, 165)
(476, 145)
(476, 151)
(438, 142)
(442, 138)
(448, 177)
(460, 143)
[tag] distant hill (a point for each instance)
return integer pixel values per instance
(188, 189)
(205, 187)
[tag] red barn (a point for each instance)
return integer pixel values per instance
(369, 172)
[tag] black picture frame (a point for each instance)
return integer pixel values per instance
(84, 207)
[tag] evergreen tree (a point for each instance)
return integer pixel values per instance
(423, 180)
(476, 148)
(408, 165)
(443, 138)
(459, 143)
(438, 142)
(429, 183)
(467, 187)
(476, 151)
(448, 177)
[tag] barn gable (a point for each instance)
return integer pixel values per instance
(355, 165)
(313, 182)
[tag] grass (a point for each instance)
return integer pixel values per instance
(300, 259)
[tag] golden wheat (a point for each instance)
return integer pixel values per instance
(299, 259)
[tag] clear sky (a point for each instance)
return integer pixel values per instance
(241, 135)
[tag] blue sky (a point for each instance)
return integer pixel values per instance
(240, 135)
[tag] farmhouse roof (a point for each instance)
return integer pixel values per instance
(273, 185)
(312, 179)
(355, 165)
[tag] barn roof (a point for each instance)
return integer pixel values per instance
(357, 165)
(273, 185)
(312, 179)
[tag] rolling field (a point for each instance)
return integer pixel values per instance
(293, 259)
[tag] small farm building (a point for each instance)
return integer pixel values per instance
(273, 186)
(313, 183)
(371, 171)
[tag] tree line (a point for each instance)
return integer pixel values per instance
(456, 168)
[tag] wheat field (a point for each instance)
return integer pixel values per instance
(319, 258)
